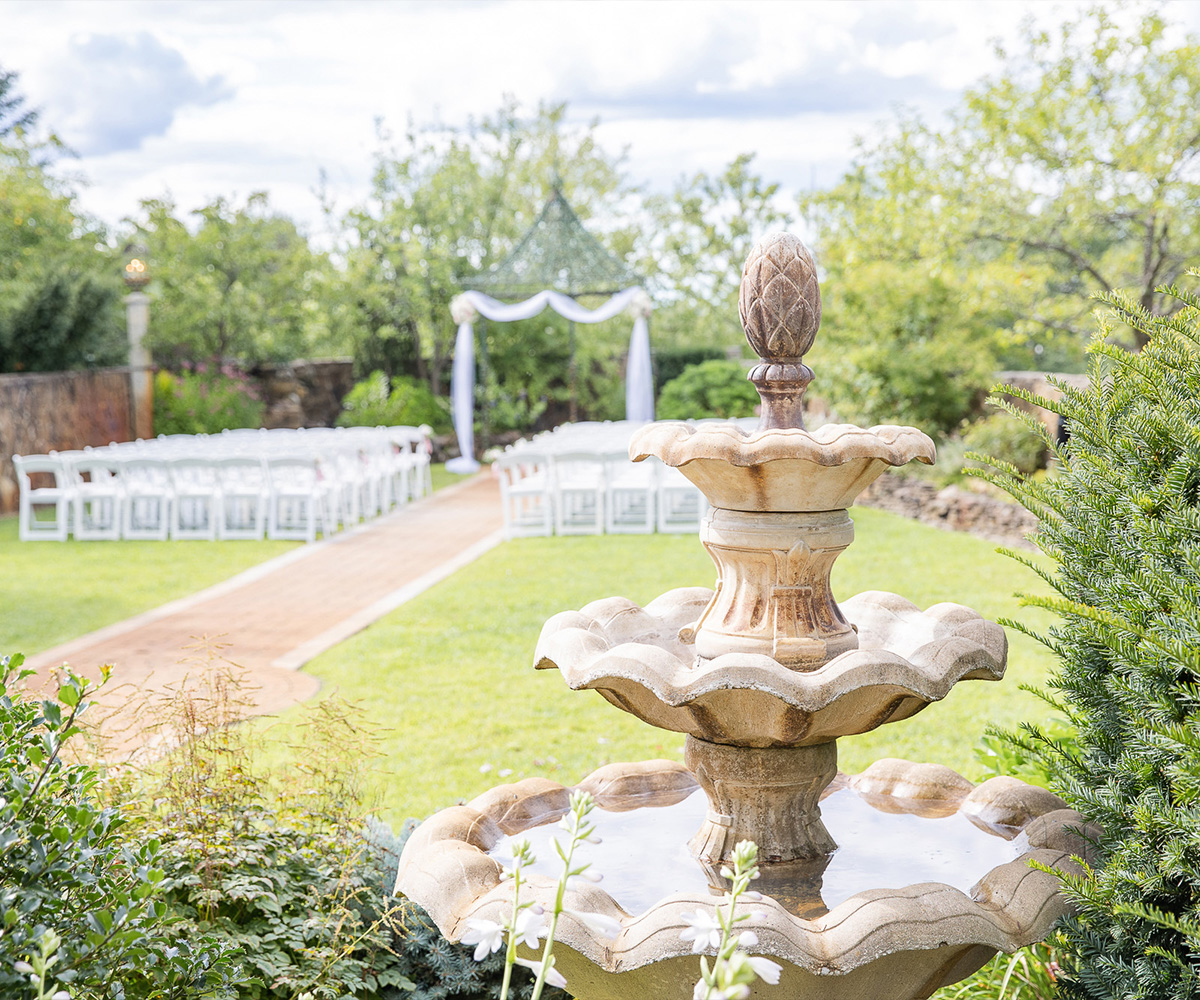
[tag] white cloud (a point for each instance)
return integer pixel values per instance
(222, 97)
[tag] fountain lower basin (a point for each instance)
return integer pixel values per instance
(925, 923)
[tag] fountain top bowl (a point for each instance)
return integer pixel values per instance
(781, 469)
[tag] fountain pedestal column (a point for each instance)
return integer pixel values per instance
(773, 595)
(769, 795)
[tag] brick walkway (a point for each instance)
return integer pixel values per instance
(277, 616)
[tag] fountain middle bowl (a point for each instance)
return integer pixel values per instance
(900, 940)
(638, 659)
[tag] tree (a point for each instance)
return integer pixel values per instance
(14, 113)
(701, 235)
(59, 289)
(245, 287)
(1072, 171)
(447, 204)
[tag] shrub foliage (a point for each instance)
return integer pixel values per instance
(80, 898)
(379, 401)
(205, 401)
(709, 389)
(1122, 521)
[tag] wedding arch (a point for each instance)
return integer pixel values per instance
(555, 262)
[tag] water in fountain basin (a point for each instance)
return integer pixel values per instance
(644, 855)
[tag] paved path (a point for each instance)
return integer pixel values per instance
(277, 616)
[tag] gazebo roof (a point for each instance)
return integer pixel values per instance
(556, 253)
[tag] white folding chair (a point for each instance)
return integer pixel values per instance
(197, 498)
(578, 485)
(680, 504)
(243, 497)
(299, 498)
(46, 493)
(99, 495)
(148, 495)
(630, 499)
(525, 495)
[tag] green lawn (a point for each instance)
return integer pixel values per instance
(449, 675)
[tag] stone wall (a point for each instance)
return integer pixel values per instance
(56, 411)
(952, 508)
(305, 393)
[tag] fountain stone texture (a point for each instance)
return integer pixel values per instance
(763, 674)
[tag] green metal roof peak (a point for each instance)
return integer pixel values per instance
(558, 253)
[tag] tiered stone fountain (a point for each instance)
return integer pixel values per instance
(891, 883)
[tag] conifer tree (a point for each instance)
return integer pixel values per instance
(1121, 519)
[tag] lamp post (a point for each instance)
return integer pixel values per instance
(137, 320)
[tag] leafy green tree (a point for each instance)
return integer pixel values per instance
(245, 286)
(15, 112)
(1071, 172)
(710, 389)
(447, 204)
(59, 285)
(702, 233)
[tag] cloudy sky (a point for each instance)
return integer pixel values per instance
(198, 99)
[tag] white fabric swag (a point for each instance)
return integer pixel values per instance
(465, 308)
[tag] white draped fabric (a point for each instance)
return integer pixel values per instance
(639, 382)
(462, 400)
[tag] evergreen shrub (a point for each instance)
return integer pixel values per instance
(1121, 519)
(709, 389)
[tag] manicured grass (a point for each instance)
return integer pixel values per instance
(450, 676)
(51, 592)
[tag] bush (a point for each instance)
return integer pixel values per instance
(378, 401)
(1002, 437)
(78, 894)
(1122, 521)
(671, 362)
(205, 401)
(934, 385)
(282, 875)
(709, 389)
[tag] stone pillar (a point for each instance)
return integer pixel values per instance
(141, 372)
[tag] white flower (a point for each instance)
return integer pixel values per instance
(486, 935)
(701, 990)
(553, 976)
(24, 968)
(604, 926)
(529, 927)
(747, 939)
(703, 930)
(765, 969)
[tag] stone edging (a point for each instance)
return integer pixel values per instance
(951, 508)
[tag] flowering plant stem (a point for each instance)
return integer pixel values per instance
(577, 825)
(733, 971)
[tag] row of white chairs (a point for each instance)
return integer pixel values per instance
(589, 493)
(578, 479)
(236, 485)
